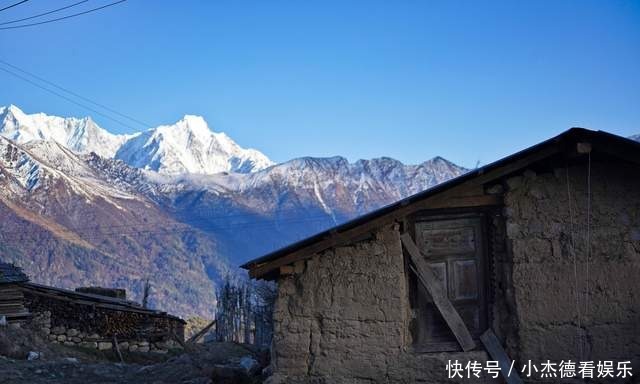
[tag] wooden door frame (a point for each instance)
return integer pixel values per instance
(483, 268)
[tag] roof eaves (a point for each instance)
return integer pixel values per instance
(572, 134)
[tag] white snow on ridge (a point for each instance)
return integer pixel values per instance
(188, 146)
(79, 135)
(37, 166)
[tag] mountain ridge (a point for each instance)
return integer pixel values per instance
(187, 146)
(71, 227)
(86, 218)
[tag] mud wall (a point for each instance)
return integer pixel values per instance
(345, 318)
(561, 314)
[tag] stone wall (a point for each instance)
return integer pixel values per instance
(345, 320)
(77, 323)
(544, 273)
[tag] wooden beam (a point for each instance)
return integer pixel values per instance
(619, 152)
(194, 339)
(439, 296)
(117, 349)
(287, 270)
(307, 252)
(492, 345)
(175, 337)
(517, 165)
(461, 202)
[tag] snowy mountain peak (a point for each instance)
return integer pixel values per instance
(80, 135)
(191, 124)
(188, 146)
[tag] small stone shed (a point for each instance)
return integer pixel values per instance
(97, 321)
(536, 255)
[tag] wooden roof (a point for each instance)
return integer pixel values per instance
(98, 301)
(464, 191)
(10, 274)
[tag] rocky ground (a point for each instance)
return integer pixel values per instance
(201, 363)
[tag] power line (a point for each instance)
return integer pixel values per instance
(205, 224)
(64, 17)
(66, 98)
(155, 232)
(75, 94)
(13, 5)
(44, 14)
(255, 218)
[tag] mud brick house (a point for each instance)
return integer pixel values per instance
(533, 257)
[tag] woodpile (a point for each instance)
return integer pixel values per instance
(12, 303)
(11, 297)
(93, 321)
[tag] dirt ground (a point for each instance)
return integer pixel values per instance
(200, 363)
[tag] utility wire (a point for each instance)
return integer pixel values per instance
(205, 223)
(588, 290)
(13, 5)
(66, 98)
(40, 78)
(575, 265)
(64, 17)
(155, 232)
(44, 14)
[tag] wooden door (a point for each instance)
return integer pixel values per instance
(454, 249)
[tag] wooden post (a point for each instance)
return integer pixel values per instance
(117, 348)
(492, 344)
(194, 339)
(175, 337)
(430, 282)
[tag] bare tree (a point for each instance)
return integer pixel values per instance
(146, 291)
(245, 312)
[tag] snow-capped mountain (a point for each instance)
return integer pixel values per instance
(635, 137)
(79, 135)
(69, 226)
(283, 203)
(178, 203)
(188, 146)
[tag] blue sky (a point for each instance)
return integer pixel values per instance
(467, 80)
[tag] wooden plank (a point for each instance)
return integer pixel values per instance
(117, 349)
(429, 280)
(517, 165)
(16, 314)
(194, 339)
(175, 337)
(7, 298)
(450, 199)
(492, 345)
(107, 304)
